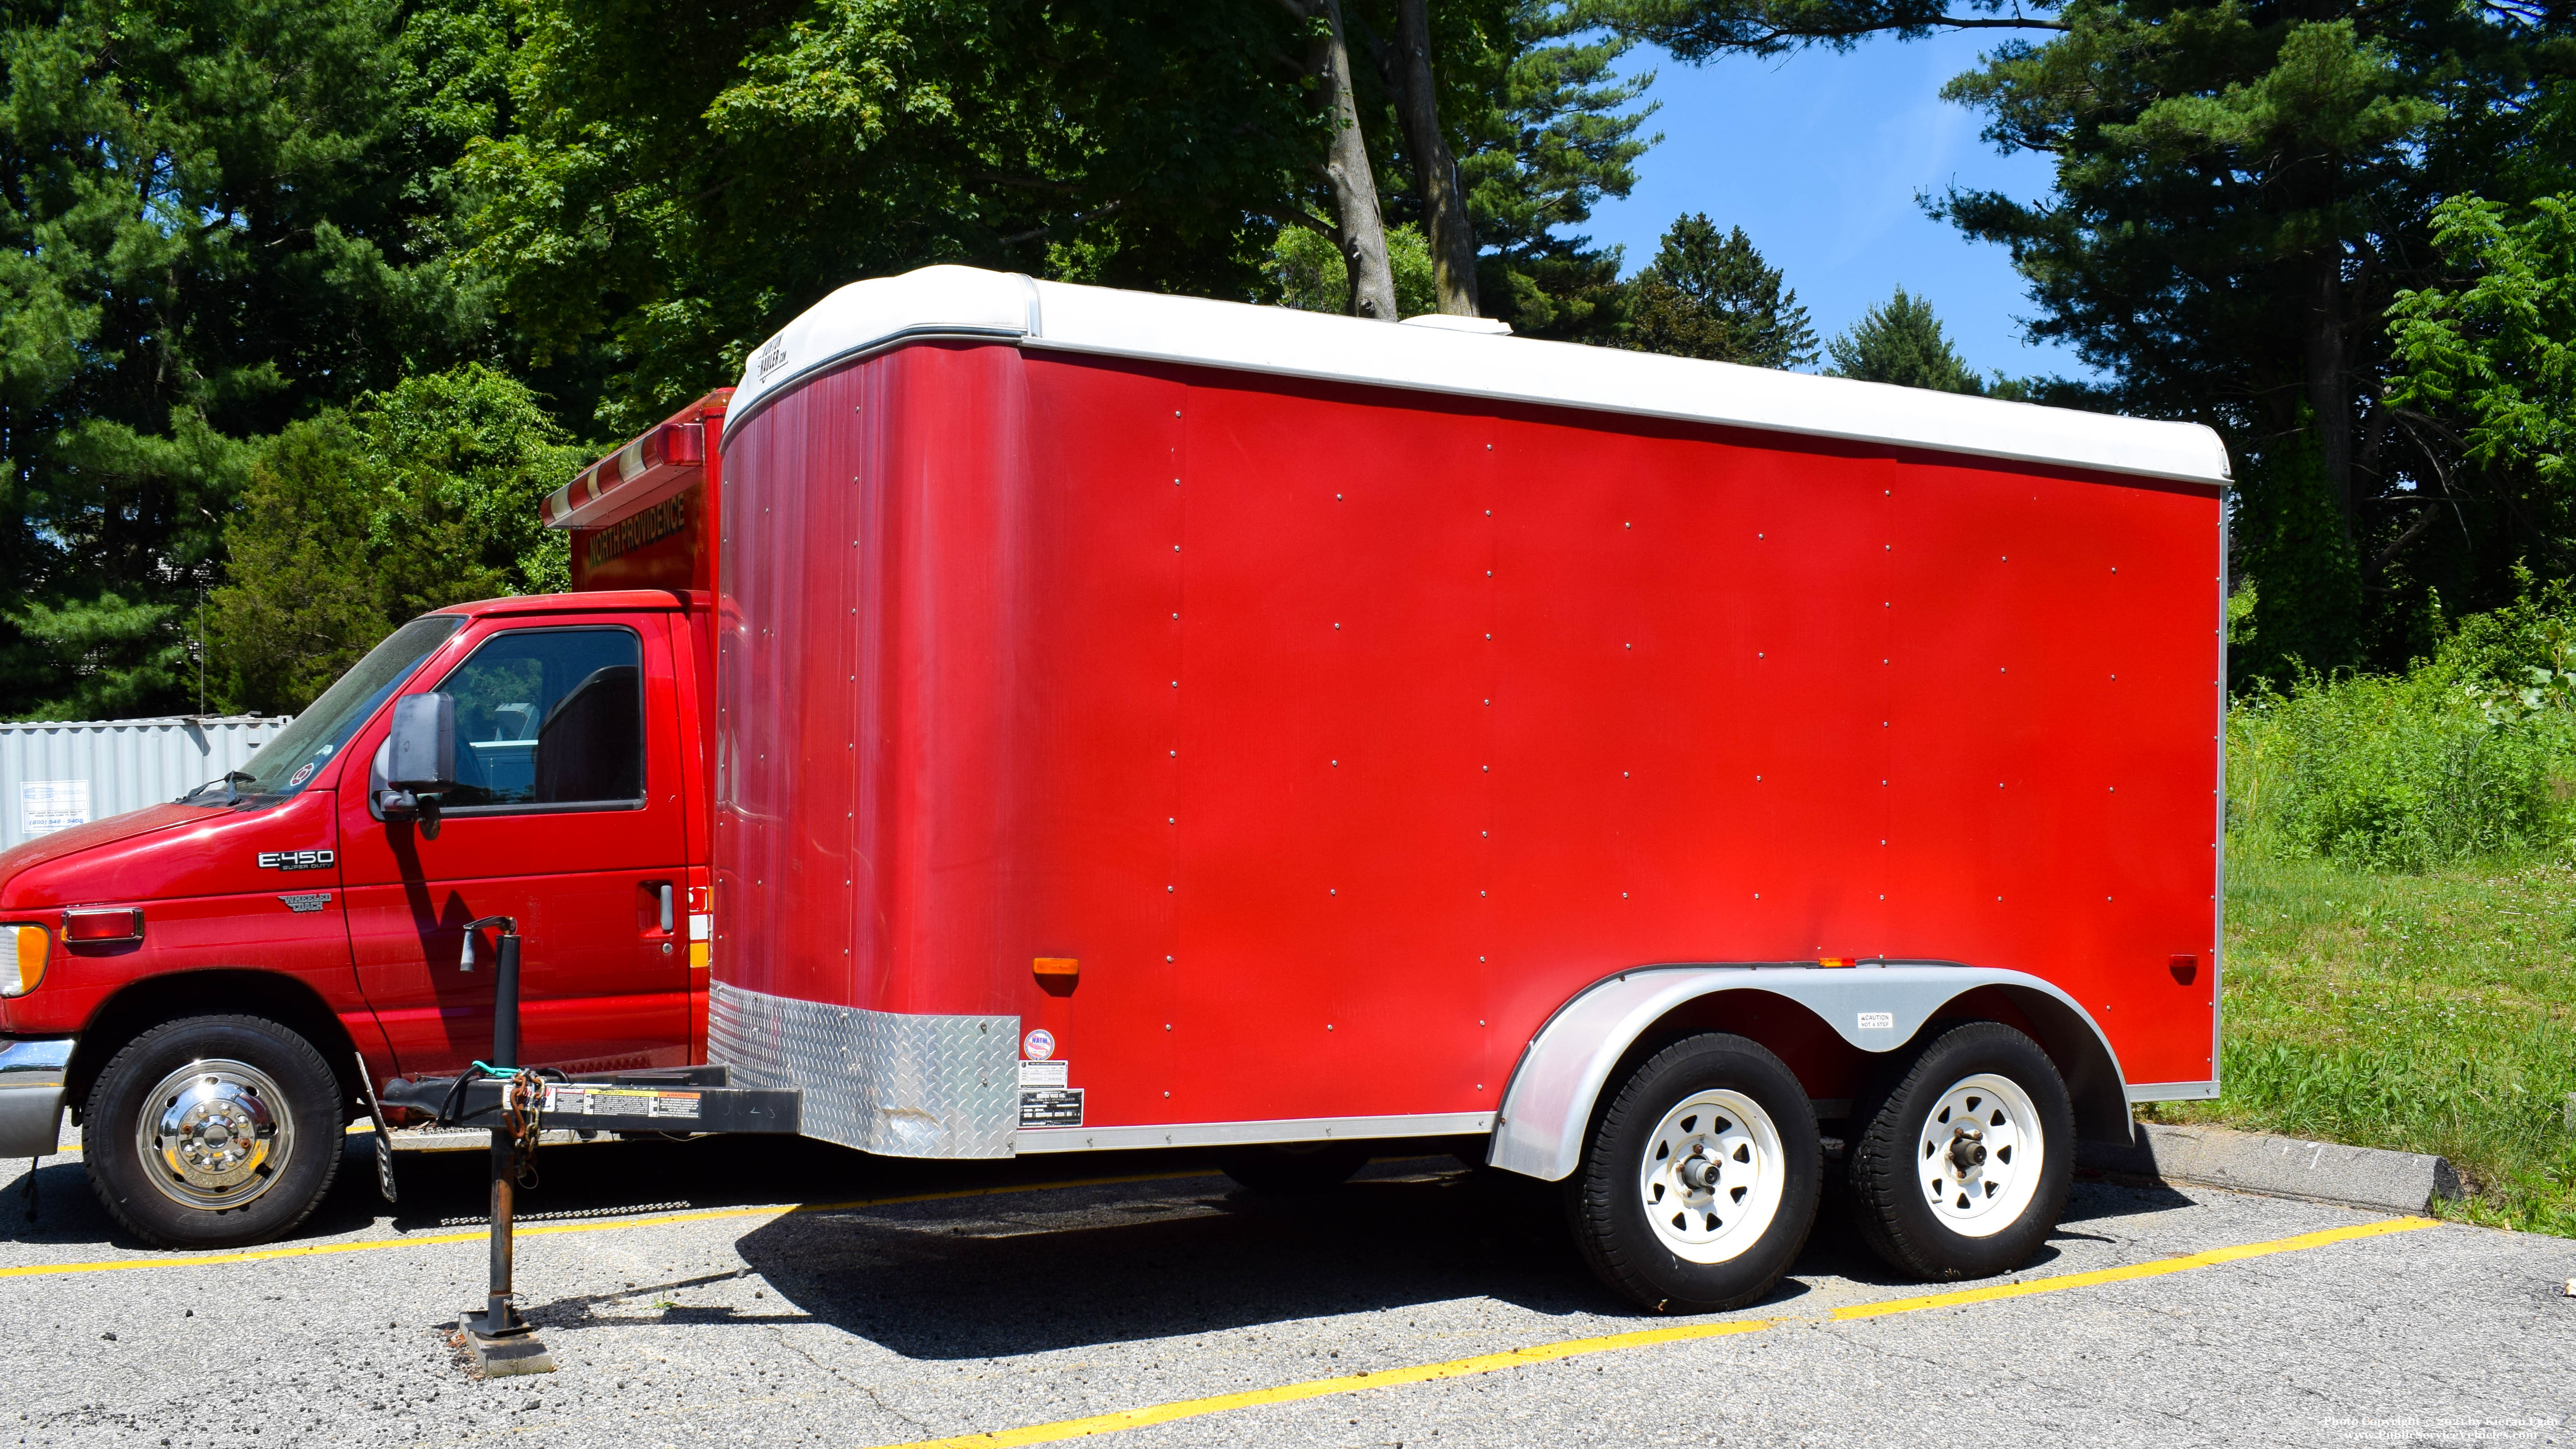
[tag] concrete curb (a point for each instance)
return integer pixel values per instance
(2370, 1177)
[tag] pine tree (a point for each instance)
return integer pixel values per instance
(1559, 132)
(1900, 341)
(1713, 296)
(215, 217)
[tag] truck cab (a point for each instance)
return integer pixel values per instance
(215, 986)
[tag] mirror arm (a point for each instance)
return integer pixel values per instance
(421, 806)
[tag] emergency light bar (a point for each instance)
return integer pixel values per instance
(656, 464)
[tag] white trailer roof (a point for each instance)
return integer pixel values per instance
(868, 316)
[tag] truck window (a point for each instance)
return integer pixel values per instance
(549, 717)
(285, 764)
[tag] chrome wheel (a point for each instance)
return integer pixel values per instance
(1713, 1176)
(215, 1134)
(1980, 1154)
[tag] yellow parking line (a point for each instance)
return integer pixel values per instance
(539, 1230)
(2156, 1269)
(1347, 1384)
(1618, 1342)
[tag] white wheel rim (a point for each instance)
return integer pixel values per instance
(1978, 1159)
(1712, 1177)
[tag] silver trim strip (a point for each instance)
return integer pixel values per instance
(2174, 1092)
(1227, 1134)
(2218, 876)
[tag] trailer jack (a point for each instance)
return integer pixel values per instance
(517, 1102)
(502, 1342)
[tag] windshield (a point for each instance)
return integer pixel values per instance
(285, 764)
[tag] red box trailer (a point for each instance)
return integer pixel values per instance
(1095, 720)
(1144, 720)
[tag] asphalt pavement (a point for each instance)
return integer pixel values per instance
(782, 1292)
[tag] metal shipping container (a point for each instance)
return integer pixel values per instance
(60, 773)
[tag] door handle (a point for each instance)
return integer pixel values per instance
(667, 917)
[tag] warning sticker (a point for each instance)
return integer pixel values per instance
(584, 1100)
(1046, 1074)
(1878, 1021)
(1050, 1106)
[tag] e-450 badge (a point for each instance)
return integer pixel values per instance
(298, 859)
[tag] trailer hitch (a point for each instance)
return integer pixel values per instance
(517, 1103)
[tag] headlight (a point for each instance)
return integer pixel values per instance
(22, 958)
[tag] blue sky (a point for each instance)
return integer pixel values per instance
(1819, 157)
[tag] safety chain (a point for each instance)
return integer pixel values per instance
(523, 1102)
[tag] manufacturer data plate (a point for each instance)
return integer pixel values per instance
(1051, 1106)
(1046, 1074)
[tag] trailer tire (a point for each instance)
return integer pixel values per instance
(1699, 1185)
(162, 1130)
(1293, 1169)
(1926, 1193)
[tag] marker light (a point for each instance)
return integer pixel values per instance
(97, 926)
(22, 962)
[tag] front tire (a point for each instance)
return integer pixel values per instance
(213, 1132)
(1699, 1185)
(1965, 1156)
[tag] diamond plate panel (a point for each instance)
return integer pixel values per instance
(879, 1081)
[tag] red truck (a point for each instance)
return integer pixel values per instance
(1024, 717)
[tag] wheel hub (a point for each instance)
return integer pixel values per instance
(215, 1134)
(1713, 1176)
(1981, 1155)
(1967, 1151)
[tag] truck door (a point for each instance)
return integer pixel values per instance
(567, 816)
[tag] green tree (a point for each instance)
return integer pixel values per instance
(2242, 191)
(2492, 357)
(361, 518)
(1306, 271)
(1900, 341)
(214, 216)
(1703, 30)
(1711, 295)
(1556, 130)
(684, 181)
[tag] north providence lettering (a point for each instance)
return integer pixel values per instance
(650, 526)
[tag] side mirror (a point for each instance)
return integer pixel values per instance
(421, 753)
(417, 761)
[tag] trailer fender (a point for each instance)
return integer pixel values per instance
(1548, 1105)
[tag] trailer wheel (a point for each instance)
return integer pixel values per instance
(1288, 1169)
(1962, 1162)
(212, 1132)
(1700, 1182)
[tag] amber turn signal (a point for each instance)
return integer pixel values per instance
(1058, 966)
(22, 963)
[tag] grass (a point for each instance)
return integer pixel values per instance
(2429, 1012)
